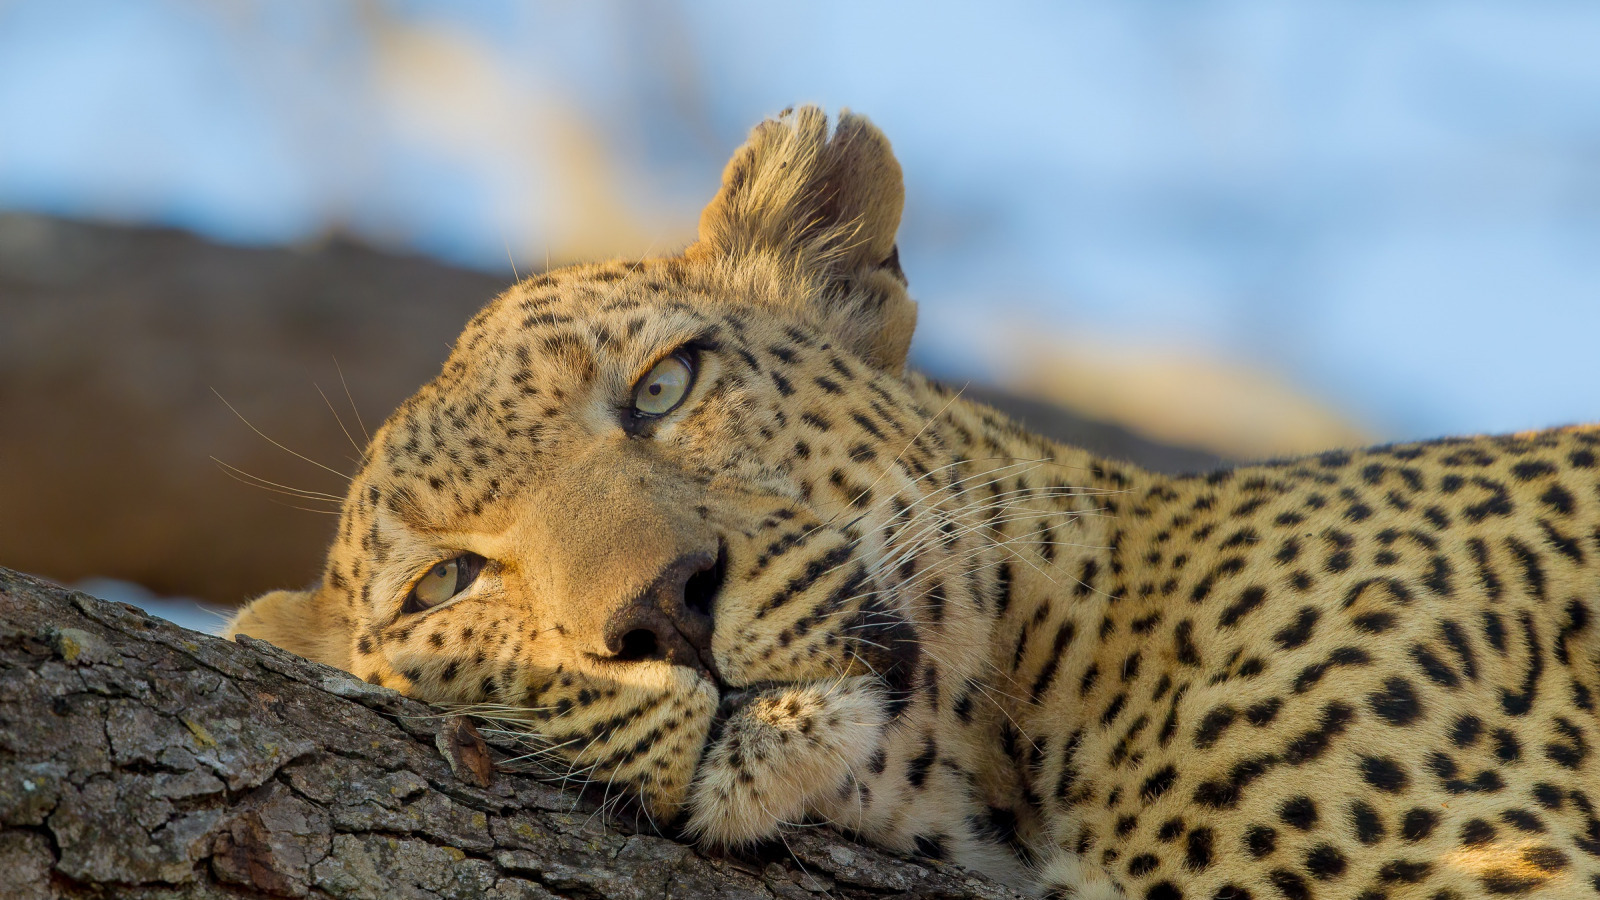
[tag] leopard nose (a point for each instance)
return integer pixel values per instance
(671, 619)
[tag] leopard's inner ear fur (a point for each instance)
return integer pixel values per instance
(825, 205)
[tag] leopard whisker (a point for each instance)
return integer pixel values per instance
(274, 443)
(243, 477)
(336, 418)
(355, 410)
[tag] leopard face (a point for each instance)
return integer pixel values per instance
(713, 588)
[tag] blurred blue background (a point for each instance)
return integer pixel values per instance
(1253, 226)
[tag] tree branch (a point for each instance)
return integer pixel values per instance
(142, 760)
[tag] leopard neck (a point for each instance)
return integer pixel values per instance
(1051, 540)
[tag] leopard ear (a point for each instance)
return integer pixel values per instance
(297, 622)
(828, 203)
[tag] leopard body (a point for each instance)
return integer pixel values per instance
(822, 588)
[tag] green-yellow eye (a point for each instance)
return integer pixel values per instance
(444, 581)
(660, 391)
(439, 584)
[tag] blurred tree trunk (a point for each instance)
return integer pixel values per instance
(141, 760)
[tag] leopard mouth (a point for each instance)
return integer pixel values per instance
(894, 667)
(777, 747)
(892, 649)
(700, 595)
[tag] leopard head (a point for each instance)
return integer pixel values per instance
(685, 518)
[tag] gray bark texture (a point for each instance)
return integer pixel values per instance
(142, 760)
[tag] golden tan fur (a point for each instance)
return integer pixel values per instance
(826, 589)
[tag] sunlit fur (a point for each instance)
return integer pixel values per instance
(1368, 671)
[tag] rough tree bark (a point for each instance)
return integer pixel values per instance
(142, 760)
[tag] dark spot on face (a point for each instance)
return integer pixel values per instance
(1522, 820)
(1476, 833)
(1506, 747)
(1224, 794)
(1298, 632)
(1290, 884)
(1260, 841)
(1404, 871)
(1299, 812)
(1367, 824)
(1418, 823)
(917, 768)
(1212, 725)
(1142, 865)
(1310, 745)
(1199, 853)
(1383, 773)
(1163, 890)
(1325, 862)
(1397, 703)
(1262, 713)
(1158, 783)
(878, 762)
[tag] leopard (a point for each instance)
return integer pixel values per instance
(692, 524)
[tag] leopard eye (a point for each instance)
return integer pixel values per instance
(664, 387)
(443, 582)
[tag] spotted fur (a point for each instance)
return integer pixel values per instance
(867, 601)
